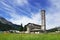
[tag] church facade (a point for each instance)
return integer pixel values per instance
(35, 28)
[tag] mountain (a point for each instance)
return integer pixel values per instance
(6, 25)
(4, 21)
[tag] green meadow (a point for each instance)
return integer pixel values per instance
(13, 36)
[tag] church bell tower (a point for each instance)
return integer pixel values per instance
(43, 20)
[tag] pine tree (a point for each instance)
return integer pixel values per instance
(20, 28)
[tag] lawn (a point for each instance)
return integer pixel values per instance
(12, 36)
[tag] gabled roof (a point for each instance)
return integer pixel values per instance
(33, 24)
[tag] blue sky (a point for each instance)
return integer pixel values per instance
(28, 11)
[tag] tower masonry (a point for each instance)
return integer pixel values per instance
(43, 20)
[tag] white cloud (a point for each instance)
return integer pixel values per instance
(25, 20)
(20, 2)
(53, 16)
(5, 6)
(53, 20)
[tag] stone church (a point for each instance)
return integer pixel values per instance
(35, 28)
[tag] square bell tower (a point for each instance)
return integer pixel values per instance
(43, 20)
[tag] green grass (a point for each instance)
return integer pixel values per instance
(9, 36)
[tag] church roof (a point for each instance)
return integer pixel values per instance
(32, 24)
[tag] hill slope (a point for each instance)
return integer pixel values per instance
(6, 25)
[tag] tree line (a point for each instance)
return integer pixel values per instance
(6, 27)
